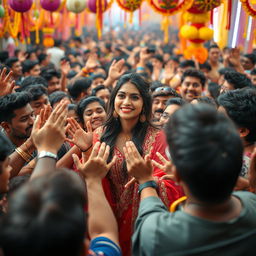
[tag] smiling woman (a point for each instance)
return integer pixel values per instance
(129, 114)
(91, 109)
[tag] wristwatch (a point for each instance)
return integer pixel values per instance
(147, 184)
(44, 154)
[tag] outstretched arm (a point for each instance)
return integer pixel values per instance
(102, 221)
(141, 169)
(48, 138)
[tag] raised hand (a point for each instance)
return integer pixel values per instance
(169, 73)
(22, 56)
(78, 136)
(144, 55)
(6, 86)
(92, 61)
(96, 168)
(115, 70)
(141, 169)
(165, 165)
(51, 135)
(234, 57)
(65, 67)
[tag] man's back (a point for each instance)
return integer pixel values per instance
(159, 232)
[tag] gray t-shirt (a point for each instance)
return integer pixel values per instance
(159, 232)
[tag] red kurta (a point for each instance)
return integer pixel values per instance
(125, 201)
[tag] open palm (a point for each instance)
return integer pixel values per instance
(78, 136)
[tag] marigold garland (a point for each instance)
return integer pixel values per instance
(186, 4)
(206, 5)
(248, 8)
(12, 27)
(197, 18)
(129, 5)
(197, 51)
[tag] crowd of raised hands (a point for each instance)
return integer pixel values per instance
(52, 128)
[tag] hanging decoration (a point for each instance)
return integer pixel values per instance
(76, 6)
(48, 37)
(202, 6)
(196, 31)
(20, 6)
(249, 8)
(129, 6)
(2, 12)
(37, 19)
(99, 7)
(62, 5)
(168, 8)
(50, 5)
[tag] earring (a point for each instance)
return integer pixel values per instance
(115, 115)
(142, 118)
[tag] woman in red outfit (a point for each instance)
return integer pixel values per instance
(128, 119)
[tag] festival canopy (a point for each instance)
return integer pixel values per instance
(229, 22)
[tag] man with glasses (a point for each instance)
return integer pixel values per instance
(234, 80)
(159, 99)
(172, 105)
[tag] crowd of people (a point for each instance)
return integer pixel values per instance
(124, 147)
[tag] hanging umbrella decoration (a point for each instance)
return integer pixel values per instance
(168, 8)
(129, 6)
(76, 6)
(50, 5)
(196, 31)
(20, 8)
(249, 8)
(48, 31)
(99, 7)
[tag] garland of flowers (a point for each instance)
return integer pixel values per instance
(171, 11)
(206, 5)
(248, 8)
(129, 5)
(12, 27)
(4, 24)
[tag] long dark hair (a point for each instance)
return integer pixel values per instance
(83, 103)
(113, 127)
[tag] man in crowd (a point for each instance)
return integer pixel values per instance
(240, 106)
(53, 78)
(192, 84)
(214, 61)
(30, 68)
(17, 117)
(15, 66)
(159, 98)
(234, 80)
(206, 163)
